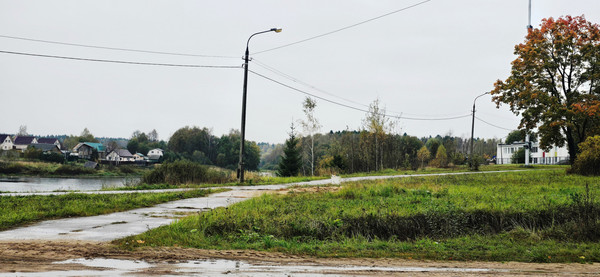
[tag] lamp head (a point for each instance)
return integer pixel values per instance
(276, 30)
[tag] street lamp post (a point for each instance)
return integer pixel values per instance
(473, 126)
(240, 172)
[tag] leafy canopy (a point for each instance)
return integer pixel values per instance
(554, 82)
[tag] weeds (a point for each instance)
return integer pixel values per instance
(430, 216)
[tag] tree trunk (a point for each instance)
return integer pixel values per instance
(571, 145)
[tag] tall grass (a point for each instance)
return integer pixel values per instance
(184, 172)
(546, 205)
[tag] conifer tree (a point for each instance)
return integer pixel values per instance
(291, 160)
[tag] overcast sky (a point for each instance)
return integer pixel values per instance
(429, 61)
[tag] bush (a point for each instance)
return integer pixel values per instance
(52, 157)
(184, 172)
(588, 160)
(127, 169)
(474, 162)
(72, 170)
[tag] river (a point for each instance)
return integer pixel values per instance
(35, 184)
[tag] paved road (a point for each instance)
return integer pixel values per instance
(122, 224)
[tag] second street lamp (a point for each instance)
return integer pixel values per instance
(473, 127)
(240, 172)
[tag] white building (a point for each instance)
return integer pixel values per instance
(556, 155)
(6, 142)
(120, 155)
(155, 154)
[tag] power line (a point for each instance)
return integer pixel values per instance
(119, 49)
(493, 124)
(351, 107)
(293, 79)
(344, 28)
(116, 61)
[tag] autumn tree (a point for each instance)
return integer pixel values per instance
(423, 155)
(554, 82)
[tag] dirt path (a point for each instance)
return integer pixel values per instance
(30, 257)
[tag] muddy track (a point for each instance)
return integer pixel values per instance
(41, 256)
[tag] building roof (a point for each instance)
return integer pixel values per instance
(140, 154)
(47, 140)
(24, 140)
(96, 145)
(3, 137)
(122, 153)
(45, 146)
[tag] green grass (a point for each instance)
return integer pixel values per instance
(534, 216)
(20, 210)
(461, 168)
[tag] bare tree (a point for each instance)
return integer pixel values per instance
(153, 135)
(310, 126)
(22, 131)
(378, 124)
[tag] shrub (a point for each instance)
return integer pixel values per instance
(72, 170)
(184, 172)
(588, 160)
(52, 157)
(127, 169)
(474, 162)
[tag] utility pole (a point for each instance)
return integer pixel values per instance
(527, 148)
(473, 126)
(240, 172)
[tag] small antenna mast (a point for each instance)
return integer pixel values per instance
(529, 27)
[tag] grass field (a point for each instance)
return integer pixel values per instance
(533, 216)
(20, 210)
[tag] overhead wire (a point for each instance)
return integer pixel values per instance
(348, 106)
(118, 48)
(293, 79)
(493, 125)
(118, 61)
(343, 28)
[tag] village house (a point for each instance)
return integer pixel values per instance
(139, 157)
(155, 154)
(54, 141)
(6, 142)
(46, 148)
(120, 155)
(84, 150)
(556, 155)
(22, 142)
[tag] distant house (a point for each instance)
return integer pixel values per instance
(139, 157)
(155, 154)
(54, 141)
(22, 142)
(84, 150)
(46, 147)
(556, 155)
(120, 155)
(6, 143)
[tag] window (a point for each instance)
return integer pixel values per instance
(534, 149)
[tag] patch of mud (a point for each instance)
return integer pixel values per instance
(84, 257)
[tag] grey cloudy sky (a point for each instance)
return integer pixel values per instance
(429, 61)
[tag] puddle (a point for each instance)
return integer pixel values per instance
(220, 267)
